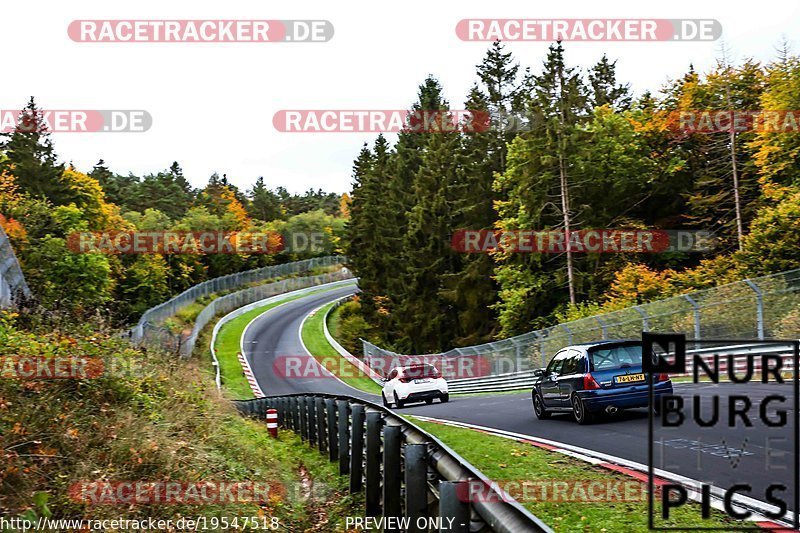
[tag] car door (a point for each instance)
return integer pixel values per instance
(551, 395)
(571, 375)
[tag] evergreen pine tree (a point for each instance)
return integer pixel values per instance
(32, 159)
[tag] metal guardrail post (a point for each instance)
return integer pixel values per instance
(696, 313)
(333, 430)
(373, 474)
(343, 408)
(759, 308)
(312, 420)
(294, 407)
(321, 420)
(303, 418)
(542, 354)
(569, 332)
(282, 414)
(452, 507)
(696, 309)
(357, 449)
(392, 472)
(603, 328)
(517, 354)
(645, 318)
(416, 478)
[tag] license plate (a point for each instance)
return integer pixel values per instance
(418, 381)
(629, 378)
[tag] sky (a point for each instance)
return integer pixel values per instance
(212, 103)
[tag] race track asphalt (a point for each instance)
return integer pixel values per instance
(720, 455)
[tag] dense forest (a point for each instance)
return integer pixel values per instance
(43, 201)
(590, 154)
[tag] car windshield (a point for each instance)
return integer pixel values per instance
(421, 371)
(616, 357)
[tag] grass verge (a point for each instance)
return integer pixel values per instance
(143, 416)
(313, 336)
(504, 460)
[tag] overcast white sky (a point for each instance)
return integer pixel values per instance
(212, 104)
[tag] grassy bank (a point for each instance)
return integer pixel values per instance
(506, 460)
(146, 416)
(313, 336)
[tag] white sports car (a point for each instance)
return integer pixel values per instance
(417, 383)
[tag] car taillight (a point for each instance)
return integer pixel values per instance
(589, 383)
(662, 377)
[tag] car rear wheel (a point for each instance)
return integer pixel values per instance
(582, 416)
(538, 408)
(429, 401)
(397, 402)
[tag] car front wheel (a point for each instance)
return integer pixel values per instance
(385, 403)
(579, 411)
(445, 398)
(538, 408)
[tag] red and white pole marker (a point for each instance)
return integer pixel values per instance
(272, 422)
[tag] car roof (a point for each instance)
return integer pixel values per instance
(608, 343)
(416, 365)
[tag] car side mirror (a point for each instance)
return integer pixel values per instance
(539, 372)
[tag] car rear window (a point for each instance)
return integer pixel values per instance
(616, 357)
(422, 371)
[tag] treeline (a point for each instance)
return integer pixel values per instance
(43, 201)
(588, 155)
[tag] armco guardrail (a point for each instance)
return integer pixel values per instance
(402, 470)
(184, 343)
(156, 315)
(12, 281)
(759, 308)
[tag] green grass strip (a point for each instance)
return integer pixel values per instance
(314, 338)
(505, 460)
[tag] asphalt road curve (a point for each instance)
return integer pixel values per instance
(275, 335)
(720, 455)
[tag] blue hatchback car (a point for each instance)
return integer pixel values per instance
(587, 379)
